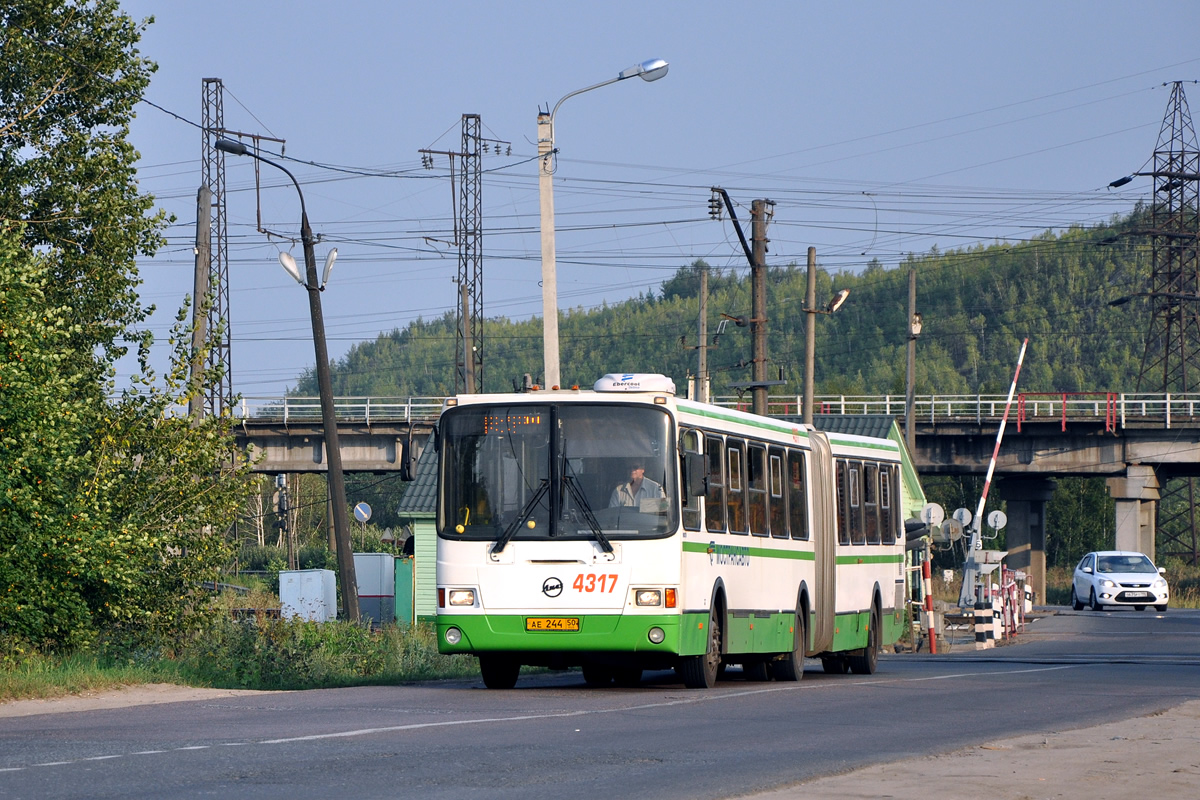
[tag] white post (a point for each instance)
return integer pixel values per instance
(549, 271)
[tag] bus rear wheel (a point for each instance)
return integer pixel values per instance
(865, 662)
(700, 672)
(499, 672)
(791, 666)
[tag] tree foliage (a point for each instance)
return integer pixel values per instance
(111, 510)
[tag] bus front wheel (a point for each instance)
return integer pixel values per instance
(700, 672)
(499, 672)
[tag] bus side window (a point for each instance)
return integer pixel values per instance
(777, 498)
(797, 496)
(690, 442)
(714, 501)
(843, 501)
(735, 489)
(887, 517)
(871, 502)
(854, 483)
(756, 488)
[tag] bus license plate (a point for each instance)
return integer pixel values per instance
(552, 623)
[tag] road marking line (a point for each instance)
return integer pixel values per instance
(679, 701)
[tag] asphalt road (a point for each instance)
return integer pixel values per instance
(552, 737)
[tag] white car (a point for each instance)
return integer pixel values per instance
(1118, 578)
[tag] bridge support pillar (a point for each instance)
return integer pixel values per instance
(1026, 530)
(1136, 496)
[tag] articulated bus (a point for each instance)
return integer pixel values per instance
(625, 529)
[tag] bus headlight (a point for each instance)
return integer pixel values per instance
(453, 636)
(648, 597)
(656, 635)
(462, 597)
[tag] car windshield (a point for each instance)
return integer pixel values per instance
(1130, 563)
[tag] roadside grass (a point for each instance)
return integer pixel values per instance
(251, 651)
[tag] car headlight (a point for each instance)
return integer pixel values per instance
(1161, 583)
(1107, 583)
(462, 597)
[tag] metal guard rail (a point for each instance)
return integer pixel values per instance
(297, 410)
(1112, 409)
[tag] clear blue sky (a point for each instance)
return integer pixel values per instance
(878, 129)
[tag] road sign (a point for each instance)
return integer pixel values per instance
(362, 512)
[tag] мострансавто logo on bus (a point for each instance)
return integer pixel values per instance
(728, 555)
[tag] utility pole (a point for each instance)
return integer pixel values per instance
(758, 311)
(468, 238)
(810, 332)
(199, 293)
(702, 347)
(212, 175)
(910, 434)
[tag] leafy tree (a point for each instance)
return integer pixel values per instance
(111, 510)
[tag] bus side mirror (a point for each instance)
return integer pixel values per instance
(694, 477)
(410, 454)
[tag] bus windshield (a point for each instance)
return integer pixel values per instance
(527, 472)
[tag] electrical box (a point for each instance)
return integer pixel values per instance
(309, 594)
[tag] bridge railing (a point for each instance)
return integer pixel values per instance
(1114, 410)
(297, 410)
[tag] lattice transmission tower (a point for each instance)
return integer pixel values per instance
(468, 237)
(212, 171)
(1171, 361)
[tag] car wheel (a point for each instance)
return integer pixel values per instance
(1163, 607)
(1075, 602)
(1094, 603)
(1139, 608)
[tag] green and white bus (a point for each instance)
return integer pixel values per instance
(748, 540)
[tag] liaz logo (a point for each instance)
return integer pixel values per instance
(552, 587)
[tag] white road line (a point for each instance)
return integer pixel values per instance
(699, 697)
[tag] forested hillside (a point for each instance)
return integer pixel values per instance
(977, 303)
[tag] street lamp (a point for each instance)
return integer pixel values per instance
(333, 451)
(810, 330)
(650, 70)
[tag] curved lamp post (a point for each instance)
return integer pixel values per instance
(810, 331)
(333, 452)
(650, 70)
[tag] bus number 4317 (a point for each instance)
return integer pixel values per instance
(595, 583)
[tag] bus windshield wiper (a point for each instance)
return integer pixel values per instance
(515, 525)
(586, 508)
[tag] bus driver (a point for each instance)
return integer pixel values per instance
(637, 489)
